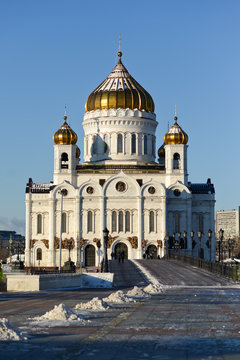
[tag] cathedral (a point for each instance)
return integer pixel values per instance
(146, 202)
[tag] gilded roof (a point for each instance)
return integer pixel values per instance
(175, 135)
(119, 90)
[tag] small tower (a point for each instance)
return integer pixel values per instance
(176, 154)
(66, 154)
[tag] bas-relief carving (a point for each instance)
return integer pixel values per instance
(65, 243)
(45, 242)
(133, 241)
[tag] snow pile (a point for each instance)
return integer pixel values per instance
(153, 289)
(118, 297)
(60, 312)
(9, 332)
(137, 292)
(94, 304)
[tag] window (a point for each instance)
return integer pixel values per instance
(120, 221)
(133, 143)
(39, 254)
(64, 222)
(200, 225)
(176, 161)
(105, 139)
(145, 144)
(177, 222)
(89, 221)
(151, 221)
(119, 143)
(153, 146)
(39, 224)
(86, 146)
(127, 221)
(114, 221)
(64, 160)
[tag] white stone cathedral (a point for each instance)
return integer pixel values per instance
(119, 185)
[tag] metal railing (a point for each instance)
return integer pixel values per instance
(231, 271)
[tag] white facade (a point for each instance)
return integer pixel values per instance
(119, 186)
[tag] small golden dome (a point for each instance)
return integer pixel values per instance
(161, 151)
(65, 135)
(175, 135)
(78, 152)
(119, 90)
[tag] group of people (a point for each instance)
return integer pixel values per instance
(118, 256)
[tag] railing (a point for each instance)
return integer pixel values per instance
(231, 271)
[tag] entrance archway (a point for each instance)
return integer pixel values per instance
(89, 255)
(119, 248)
(152, 252)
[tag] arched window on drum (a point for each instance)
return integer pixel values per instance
(119, 143)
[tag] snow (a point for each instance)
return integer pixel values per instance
(154, 287)
(137, 292)
(9, 332)
(95, 304)
(119, 297)
(61, 313)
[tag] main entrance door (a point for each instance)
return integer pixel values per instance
(152, 251)
(119, 248)
(90, 255)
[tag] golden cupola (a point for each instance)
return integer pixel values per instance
(119, 90)
(65, 135)
(175, 134)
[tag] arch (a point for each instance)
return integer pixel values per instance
(176, 161)
(39, 224)
(89, 221)
(39, 254)
(133, 143)
(151, 221)
(114, 221)
(120, 221)
(64, 160)
(119, 249)
(119, 143)
(145, 145)
(90, 255)
(152, 251)
(64, 222)
(127, 221)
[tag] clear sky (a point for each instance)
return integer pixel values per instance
(184, 52)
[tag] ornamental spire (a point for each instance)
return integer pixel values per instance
(175, 117)
(119, 50)
(65, 113)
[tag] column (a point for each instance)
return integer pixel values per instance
(140, 216)
(28, 202)
(52, 222)
(77, 230)
(163, 228)
(101, 221)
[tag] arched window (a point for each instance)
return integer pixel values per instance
(133, 143)
(64, 222)
(120, 221)
(114, 221)
(119, 143)
(145, 144)
(200, 225)
(39, 224)
(151, 221)
(89, 221)
(153, 145)
(177, 222)
(64, 160)
(39, 254)
(127, 221)
(105, 139)
(176, 161)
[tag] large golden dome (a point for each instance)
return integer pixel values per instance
(119, 90)
(65, 135)
(175, 135)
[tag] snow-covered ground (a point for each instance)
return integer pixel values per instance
(9, 332)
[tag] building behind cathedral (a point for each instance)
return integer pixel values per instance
(119, 185)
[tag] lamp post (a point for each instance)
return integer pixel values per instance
(105, 259)
(221, 232)
(185, 241)
(230, 246)
(200, 247)
(62, 192)
(69, 245)
(209, 244)
(192, 240)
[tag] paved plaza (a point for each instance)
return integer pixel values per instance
(186, 321)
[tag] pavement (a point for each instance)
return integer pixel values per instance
(197, 317)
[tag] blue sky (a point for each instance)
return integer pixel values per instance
(184, 52)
